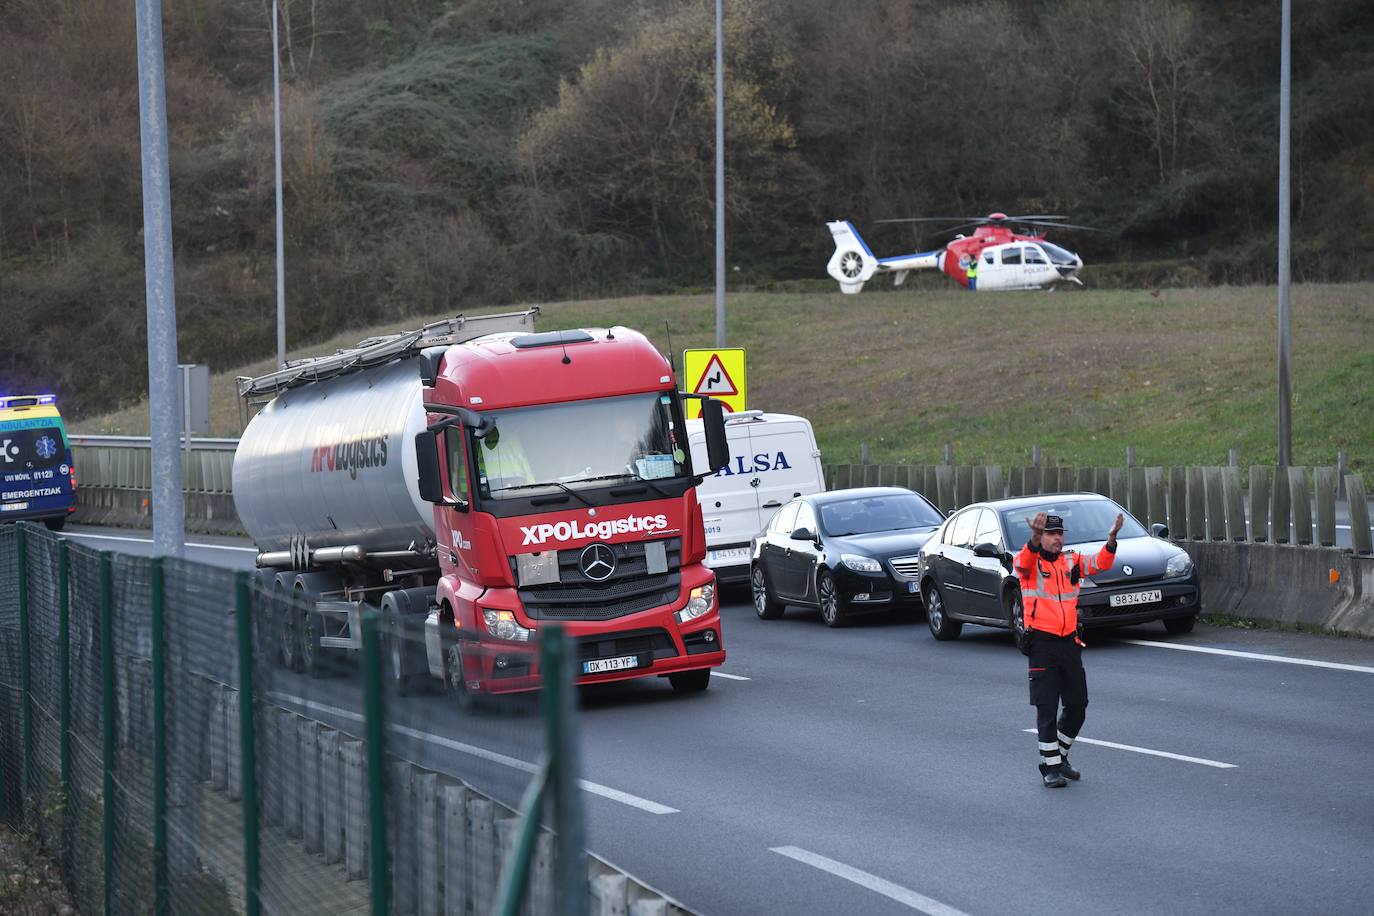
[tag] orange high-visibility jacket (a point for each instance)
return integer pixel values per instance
(1049, 590)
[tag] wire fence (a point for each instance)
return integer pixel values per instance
(183, 738)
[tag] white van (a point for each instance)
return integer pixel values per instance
(773, 458)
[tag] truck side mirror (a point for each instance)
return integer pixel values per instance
(713, 421)
(430, 357)
(427, 461)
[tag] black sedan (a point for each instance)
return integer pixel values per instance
(846, 552)
(966, 574)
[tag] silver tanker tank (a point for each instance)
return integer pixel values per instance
(333, 462)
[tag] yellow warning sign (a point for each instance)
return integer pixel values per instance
(716, 373)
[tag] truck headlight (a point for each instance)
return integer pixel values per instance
(698, 603)
(1178, 566)
(502, 625)
(862, 564)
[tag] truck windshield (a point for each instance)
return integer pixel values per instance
(581, 444)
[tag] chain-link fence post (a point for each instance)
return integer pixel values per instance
(24, 670)
(156, 585)
(380, 876)
(107, 721)
(567, 802)
(64, 698)
(243, 610)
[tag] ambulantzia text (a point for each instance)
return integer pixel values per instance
(576, 530)
(762, 464)
(365, 452)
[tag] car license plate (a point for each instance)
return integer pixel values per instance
(913, 587)
(730, 555)
(14, 507)
(603, 665)
(1130, 598)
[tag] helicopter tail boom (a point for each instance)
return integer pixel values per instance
(853, 264)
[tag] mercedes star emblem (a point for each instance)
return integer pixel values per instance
(598, 562)
(1126, 570)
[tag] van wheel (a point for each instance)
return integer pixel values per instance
(941, 627)
(831, 610)
(691, 681)
(56, 524)
(765, 605)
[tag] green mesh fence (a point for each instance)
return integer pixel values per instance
(318, 772)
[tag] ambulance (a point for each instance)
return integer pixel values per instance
(37, 476)
(773, 459)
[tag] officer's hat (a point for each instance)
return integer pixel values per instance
(1054, 523)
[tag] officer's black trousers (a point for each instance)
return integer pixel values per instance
(1056, 675)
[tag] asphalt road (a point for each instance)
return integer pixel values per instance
(871, 770)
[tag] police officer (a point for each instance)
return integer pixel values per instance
(972, 272)
(1049, 592)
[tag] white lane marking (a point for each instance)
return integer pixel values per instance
(111, 537)
(729, 677)
(1234, 653)
(625, 798)
(1145, 750)
(872, 882)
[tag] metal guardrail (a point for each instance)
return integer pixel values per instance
(197, 444)
(126, 462)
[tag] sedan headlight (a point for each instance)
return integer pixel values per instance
(1178, 566)
(502, 625)
(862, 564)
(698, 603)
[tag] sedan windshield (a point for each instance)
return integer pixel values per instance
(868, 514)
(562, 445)
(1088, 520)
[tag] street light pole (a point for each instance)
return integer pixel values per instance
(276, 120)
(1285, 247)
(720, 176)
(169, 512)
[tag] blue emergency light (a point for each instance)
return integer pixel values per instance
(27, 400)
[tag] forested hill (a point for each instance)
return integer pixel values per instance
(451, 154)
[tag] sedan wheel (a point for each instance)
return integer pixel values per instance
(941, 627)
(1016, 616)
(831, 612)
(764, 604)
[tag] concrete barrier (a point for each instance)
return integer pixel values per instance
(1259, 503)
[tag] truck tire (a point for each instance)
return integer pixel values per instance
(456, 682)
(312, 655)
(765, 605)
(691, 681)
(285, 623)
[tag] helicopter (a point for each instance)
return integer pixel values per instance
(1005, 259)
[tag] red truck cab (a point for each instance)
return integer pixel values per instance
(563, 491)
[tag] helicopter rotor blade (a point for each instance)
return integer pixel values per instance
(924, 219)
(1031, 222)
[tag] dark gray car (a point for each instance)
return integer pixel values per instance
(966, 575)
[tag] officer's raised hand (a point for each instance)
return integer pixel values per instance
(1111, 535)
(1037, 528)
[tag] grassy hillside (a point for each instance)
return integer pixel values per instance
(1182, 375)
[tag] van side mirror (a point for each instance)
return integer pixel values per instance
(427, 461)
(717, 446)
(1160, 531)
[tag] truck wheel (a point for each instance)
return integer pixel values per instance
(832, 611)
(312, 659)
(767, 607)
(941, 627)
(467, 701)
(691, 681)
(396, 654)
(1177, 626)
(287, 626)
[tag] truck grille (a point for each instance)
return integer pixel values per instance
(905, 566)
(629, 590)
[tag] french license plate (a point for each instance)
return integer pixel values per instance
(14, 507)
(603, 665)
(913, 587)
(729, 555)
(1130, 598)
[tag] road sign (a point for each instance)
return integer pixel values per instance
(717, 373)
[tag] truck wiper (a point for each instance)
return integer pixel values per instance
(547, 483)
(638, 480)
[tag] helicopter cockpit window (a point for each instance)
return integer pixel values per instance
(987, 257)
(1011, 255)
(1033, 256)
(1058, 255)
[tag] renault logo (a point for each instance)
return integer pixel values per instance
(1126, 569)
(598, 562)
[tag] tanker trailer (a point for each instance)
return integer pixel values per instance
(325, 483)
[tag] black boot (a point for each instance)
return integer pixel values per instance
(1053, 778)
(1067, 771)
